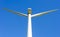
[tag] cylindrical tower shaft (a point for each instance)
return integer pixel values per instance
(29, 33)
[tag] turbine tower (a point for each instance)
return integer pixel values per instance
(29, 30)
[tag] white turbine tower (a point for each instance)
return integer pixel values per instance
(29, 31)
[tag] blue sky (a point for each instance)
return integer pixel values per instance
(12, 25)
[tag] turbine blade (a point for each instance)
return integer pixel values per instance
(42, 13)
(18, 13)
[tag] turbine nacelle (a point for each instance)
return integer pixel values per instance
(29, 10)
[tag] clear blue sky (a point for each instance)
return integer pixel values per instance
(12, 25)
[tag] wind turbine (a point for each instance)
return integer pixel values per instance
(29, 31)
